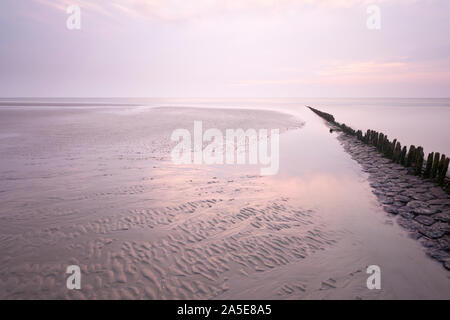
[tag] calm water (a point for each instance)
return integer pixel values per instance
(423, 122)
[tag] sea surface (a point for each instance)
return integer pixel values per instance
(421, 122)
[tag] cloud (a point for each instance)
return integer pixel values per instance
(91, 5)
(361, 72)
(187, 9)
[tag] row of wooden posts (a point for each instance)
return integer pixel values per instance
(435, 168)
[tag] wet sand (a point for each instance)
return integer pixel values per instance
(95, 187)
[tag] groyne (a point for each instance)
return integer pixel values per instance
(407, 186)
(435, 168)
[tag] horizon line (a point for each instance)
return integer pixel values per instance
(212, 98)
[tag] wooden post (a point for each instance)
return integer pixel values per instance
(435, 165)
(429, 166)
(419, 161)
(447, 187)
(403, 156)
(411, 156)
(397, 152)
(442, 170)
(380, 142)
(387, 148)
(392, 149)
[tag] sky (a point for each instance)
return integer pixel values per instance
(225, 48)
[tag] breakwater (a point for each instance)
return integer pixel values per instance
(435, 167)
(405, 186)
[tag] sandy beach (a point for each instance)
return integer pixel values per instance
(95, 187)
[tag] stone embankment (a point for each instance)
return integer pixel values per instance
(406, 187)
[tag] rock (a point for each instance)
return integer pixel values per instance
(385, 200)
(416, 204)
(415, 235)
(439, 255)
(443, 216)
(398, 204)
(391, 194)
(423, 211)
(440, 201)
(428, 243)
(437, 208)
(409, 224)
(444, 227)
(390, 209)
(422, 197)
(444, 243)
(438, 193)
(406, 214)
(402, 198)
(425, 220)
(447, 264)
(431, 232)
(421, 190)
(378, 192)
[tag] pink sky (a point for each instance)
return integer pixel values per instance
(225, 48)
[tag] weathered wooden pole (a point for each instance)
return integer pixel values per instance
(442, 170)
(403, 156)
(411, 156)
(435, 165)
(380, 142)
(359, 135)
(419, 161)
(447, 187)
(429, 166)
(392, 149)
(397, 152)
(377, 139)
